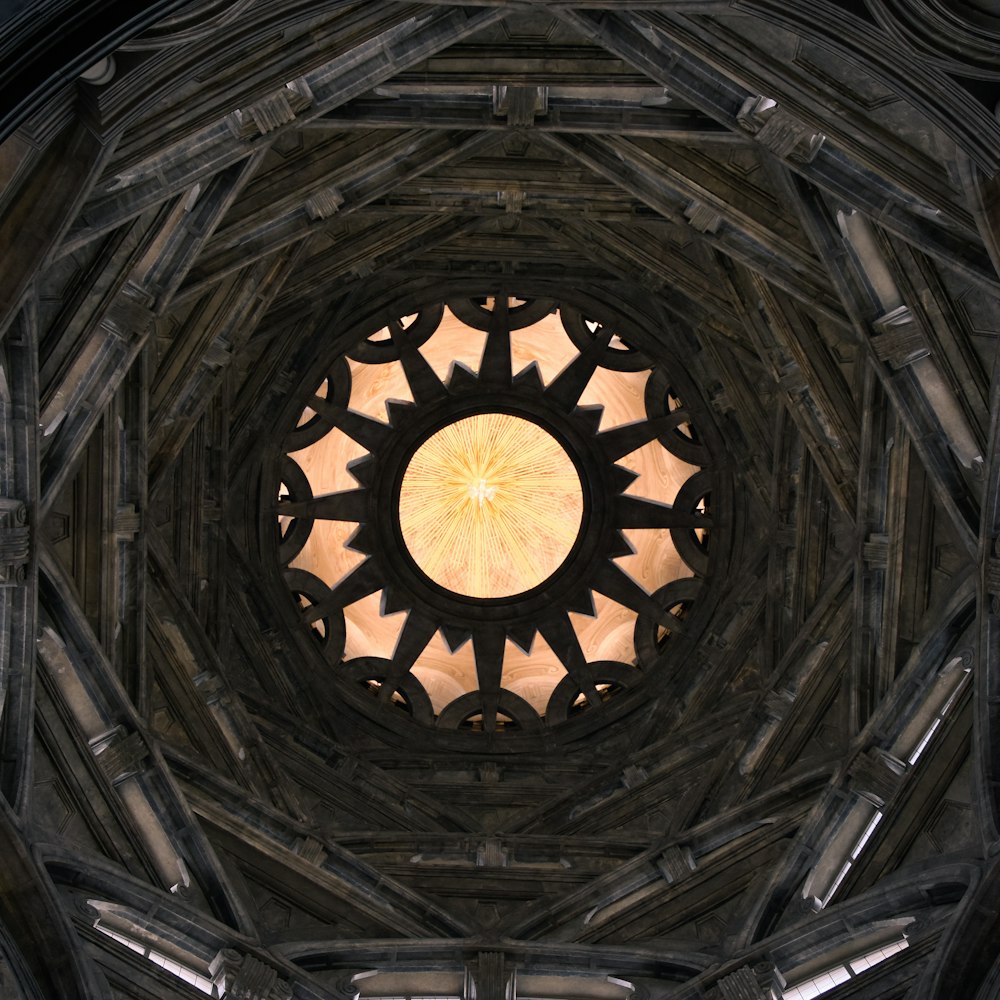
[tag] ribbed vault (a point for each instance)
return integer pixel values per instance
(785, 212)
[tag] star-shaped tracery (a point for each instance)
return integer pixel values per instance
(492, 507)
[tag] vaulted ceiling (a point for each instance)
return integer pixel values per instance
(788, 207)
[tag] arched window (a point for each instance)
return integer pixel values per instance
(834, 975)
(134, 932)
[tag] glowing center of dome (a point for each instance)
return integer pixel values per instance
(490, 505)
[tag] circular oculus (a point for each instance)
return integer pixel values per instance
(490, 506)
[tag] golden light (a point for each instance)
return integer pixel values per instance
(490, 505)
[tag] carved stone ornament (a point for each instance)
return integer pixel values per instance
(676, 863)
(875, 550)
(127, 522)
(993, 582)
(520, 104)
(876, 774)
(324, 203)
(346, 987)
(15, 542)
(491, 854)
(779, 130)
(492, 977)
(762, 981)
(273, 111)
(900, 340)
(120, 755)
(702, 217)
(243, 977)
(311, 850)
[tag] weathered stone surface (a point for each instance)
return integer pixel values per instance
(787, 212)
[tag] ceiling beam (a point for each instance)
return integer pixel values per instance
(942, 469)
(599, 116)
(264, 232)
(695, 81)
(191, 159)
(735, 234)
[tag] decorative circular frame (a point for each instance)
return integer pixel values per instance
(545, 609)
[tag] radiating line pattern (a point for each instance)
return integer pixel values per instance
(490, 506)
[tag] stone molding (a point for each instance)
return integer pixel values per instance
(779, 130)
(243, 977)
(15, 542)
